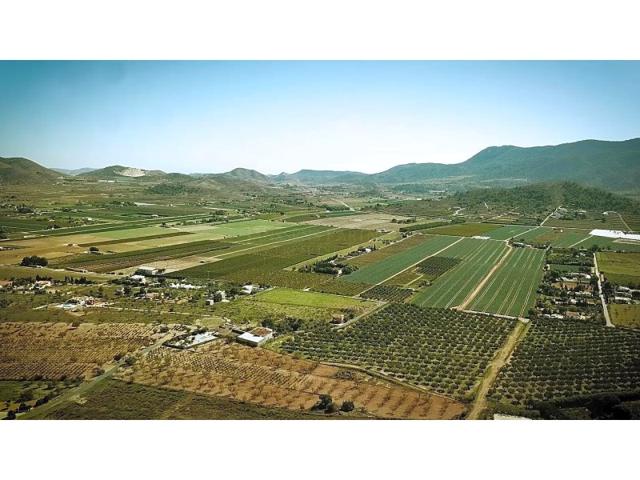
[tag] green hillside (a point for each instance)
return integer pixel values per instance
(20, 171)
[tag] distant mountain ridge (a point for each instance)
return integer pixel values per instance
(605, 164)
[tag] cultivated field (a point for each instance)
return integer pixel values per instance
(464, 229)
(443, 351)
(620, 268)
(374, 221)
(391, 265)
(559, 359)
(507, 232)
(452, 288)
(266, 265)
(59, 350)
(625, 315)
(270, 379)
(511, 290)
(281, 303)
(105, 402)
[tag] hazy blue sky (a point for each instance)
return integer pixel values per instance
(284, 116)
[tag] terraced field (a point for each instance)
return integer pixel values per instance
(511, 290)
(450, 289)
(385, 268)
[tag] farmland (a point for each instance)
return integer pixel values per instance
(443, 351)
(512, 288)
(266, 266)
(118, 261)
(563, 359)
(388, 293)
(620, 268)
(477, 258)
(70, 352)
(280, 303)
(151, 403)
(392, 305)
(383, 269)
(270, 379)
(507, 232)
(464, 229)
(625, 315)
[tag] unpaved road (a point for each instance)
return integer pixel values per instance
(480, 402)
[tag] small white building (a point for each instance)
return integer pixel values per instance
(147, 271)
(256, 337)
(141, 279)
(249, 289)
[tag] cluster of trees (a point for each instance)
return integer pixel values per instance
(326, 404)
(330, 266)
(34, 261)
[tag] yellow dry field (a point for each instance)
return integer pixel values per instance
(54, 350)
(370, 221)
(268, 378)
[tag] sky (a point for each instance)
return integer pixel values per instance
(214, 116)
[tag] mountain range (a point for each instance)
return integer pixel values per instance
(606, 164)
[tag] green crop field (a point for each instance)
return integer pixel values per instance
(452, 288)
(388, 293)
(507, 232)
(511, 290)
(385, 268)
(559, 359)
(281, 303)
(388, 251)
(444, 351)
(287, 296)
(266, 265)
(464, 229)
(622, 263)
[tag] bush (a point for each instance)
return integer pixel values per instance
(347, 406)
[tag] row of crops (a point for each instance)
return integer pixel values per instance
(388, 293)
(266, 266)
(512, 288)
(433, 267)
(117, 261)
(379, 271)
(444, 351)
(559, 359)
(477, 257)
